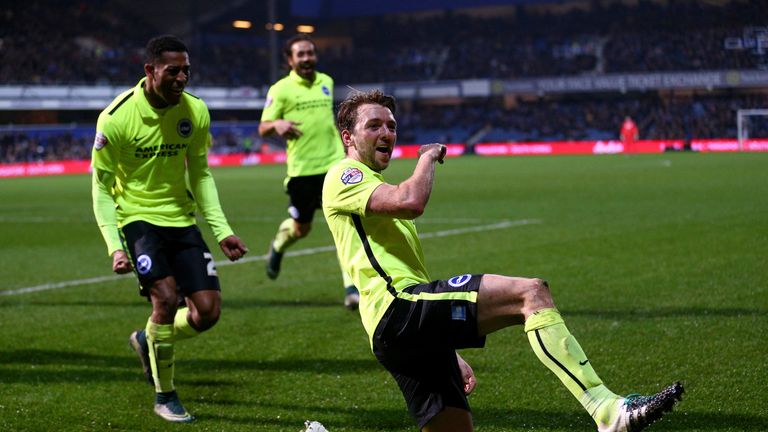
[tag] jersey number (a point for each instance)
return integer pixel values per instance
(211, 265)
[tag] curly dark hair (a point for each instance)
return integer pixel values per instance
(347, 115)
(165, 43)
(297, 38)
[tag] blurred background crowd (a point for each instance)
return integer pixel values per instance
(79, 42)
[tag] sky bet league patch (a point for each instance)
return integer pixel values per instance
(351, 176)
(100, 141)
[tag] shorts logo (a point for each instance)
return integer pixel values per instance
(100, 141)
(458, 281)
(294, 212)
(184, 128)
(326, 91)
(351, 176)
(143, 264)
(268, 102)
(458, 313)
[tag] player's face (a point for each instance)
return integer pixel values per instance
(303, 59)
(374, 136)
(166, 78)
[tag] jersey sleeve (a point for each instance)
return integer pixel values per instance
(273, 106)
(104, 162)
(104, 209)
(348, 188)
(202, 183)
(106, 143)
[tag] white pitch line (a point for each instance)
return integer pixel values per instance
(300, 252)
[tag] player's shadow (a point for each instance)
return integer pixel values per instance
(303, 364)
(57, 366)
(226, 303)
(577, 420)
(663, 312)
(360, 418)
(87, 303)
(270, 303)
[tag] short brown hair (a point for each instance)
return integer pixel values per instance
(347, 115)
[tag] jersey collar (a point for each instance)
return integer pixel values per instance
(300, 80)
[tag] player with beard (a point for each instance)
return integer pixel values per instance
(416, 323)
(149, 140)
(299, 108)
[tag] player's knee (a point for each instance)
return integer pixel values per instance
(537, 294)
(302, 230)
(207, 318)
(164, 303)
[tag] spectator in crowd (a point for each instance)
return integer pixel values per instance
(628, 133)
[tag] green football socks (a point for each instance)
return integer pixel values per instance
(182, 328)
(160, 339)
(561, 353)
(285, 236)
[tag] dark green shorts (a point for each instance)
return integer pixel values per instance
(158, 252)
(417, 338)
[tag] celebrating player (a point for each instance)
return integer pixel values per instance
(416, 324)
(147, 140)
(299, 108)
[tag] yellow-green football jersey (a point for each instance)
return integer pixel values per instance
(381, 254)
(150, 151)
(311, 104)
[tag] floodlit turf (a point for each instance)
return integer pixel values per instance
(658, 263)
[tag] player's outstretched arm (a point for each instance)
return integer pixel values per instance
(233, 247)
(408, 200)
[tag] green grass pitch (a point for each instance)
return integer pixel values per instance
(659, 264)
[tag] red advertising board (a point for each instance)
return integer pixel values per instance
(411, 151)
(576, 147)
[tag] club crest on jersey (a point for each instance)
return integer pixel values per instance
(326, 90)
(143, 264)
(458, 281)
(100, 141)
(351, 176)
(184, 128)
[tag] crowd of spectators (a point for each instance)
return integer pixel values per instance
(43, 42)
(574, 119)
(487, 120)
(80, 42)
(44, 145)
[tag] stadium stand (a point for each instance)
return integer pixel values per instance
(68, 43)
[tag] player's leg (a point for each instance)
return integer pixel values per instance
(504, 301)
(161, 334)
(196, 279)
(199, 283)
(204, 309)
(450, 419)
(161, 338)
(146, 244)
(302, 204)
(416, 341)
